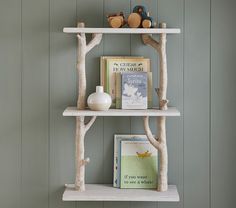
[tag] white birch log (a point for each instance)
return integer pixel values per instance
(160, 142)
(81, 127)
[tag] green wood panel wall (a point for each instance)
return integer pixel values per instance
(197, 104)
(10, 103)
(38, 80)
(35, 103)
(62, 94)
(223, 101)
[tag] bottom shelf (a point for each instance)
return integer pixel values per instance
(105, 192)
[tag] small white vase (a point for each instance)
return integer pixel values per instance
(99, 101)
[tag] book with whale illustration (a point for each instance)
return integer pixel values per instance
(135, 159)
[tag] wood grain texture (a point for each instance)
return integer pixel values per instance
(223, 85)
(197, 94)
(62, 130)
(10, 103)
(35, 103)
(99, 192)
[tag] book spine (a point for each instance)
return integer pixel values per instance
(115, 164)
(150, 85)
(118, 90)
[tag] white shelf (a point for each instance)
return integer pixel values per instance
(73, 111)
(99, 192)
(121, 30)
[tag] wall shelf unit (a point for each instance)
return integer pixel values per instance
(121, 30)
(73, 111)
(98, 192)
(105, 192)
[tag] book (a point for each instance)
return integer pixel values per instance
(134, 90)
(118, 89)
(116, 165)
(138, 165)
(103, 60)
(122, 65)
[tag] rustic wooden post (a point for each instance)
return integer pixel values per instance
(81, 126)
(160, 141)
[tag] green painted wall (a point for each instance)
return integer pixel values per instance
(38, 81)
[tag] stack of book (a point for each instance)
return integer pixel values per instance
(135, 162)
(128, 80)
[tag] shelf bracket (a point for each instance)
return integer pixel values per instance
(81, 126)
(160, 141)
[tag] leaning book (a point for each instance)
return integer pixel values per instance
(122, 65)
(138, 165)
(118, 89)
(117, 159)
(134, 90)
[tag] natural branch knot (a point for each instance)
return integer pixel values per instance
(85, 161)
(163, 104)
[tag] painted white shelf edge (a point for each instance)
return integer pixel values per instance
(73, 111)
(101, 192)
(122, 30)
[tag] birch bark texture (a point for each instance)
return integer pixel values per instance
(160, 141)
(81, 126)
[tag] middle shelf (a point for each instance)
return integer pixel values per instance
(73, 111)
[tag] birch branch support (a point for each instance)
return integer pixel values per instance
(160, 144)
(81, 126)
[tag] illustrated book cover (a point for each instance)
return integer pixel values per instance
(116, 165)
(138, 165)
(118, 90)
(122, 65)
(134, 90)
(103, 65)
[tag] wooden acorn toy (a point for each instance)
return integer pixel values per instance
(140, 18)
(116, 20)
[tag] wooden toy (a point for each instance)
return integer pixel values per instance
(140, 18)
(116, 20)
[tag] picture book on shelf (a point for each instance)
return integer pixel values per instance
(138, 165)
(134, 90)
(117, 139)
(118, 89)
(109, 66)
(103, 64)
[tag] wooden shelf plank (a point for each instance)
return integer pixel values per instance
(121, 30)
(100, 192)
(73, 111)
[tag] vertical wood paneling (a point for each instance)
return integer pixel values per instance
(114, 45)
(172, 12)
(62, 94)
(32, 98)
(91, 13)
(35, 103)
(223, 85)
(10, 103)
(139, 49)
(196, 103)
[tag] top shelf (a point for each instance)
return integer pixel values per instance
(121, 30)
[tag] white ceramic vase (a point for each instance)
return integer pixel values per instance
(99, 101)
